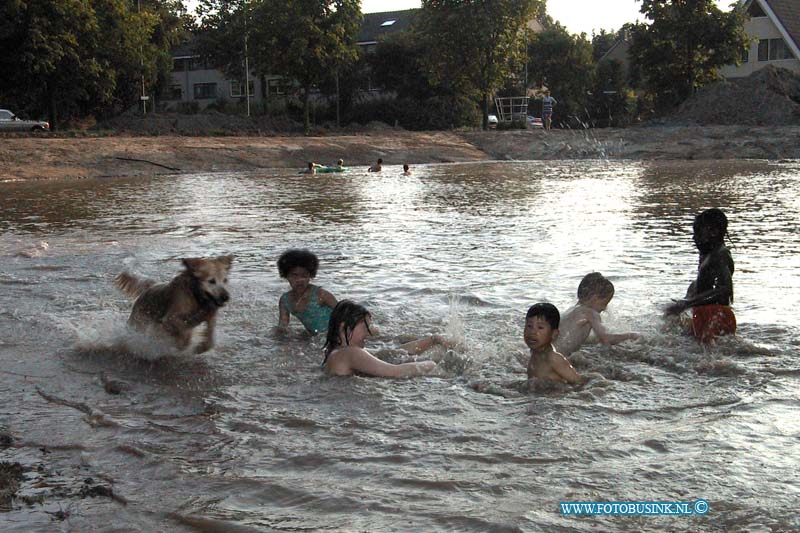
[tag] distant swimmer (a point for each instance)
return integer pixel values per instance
(710, 295)
(406, 170)
(595, 292)
(349, 327)
(340, 164)
(541, 328)
(312, 168)
(377, 167)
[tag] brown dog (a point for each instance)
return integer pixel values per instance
(172, 310)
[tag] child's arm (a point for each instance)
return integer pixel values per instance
(283, 314)
(364, 362)
(563, 368)
(603, 335)
(426, 343)
(718, 275)
(326, 298)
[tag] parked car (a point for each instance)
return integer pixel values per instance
(492, 121)
(11, 122)
(535, 122)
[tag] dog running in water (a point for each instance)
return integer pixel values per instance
(171, 311)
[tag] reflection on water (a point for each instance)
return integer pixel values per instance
(253, 435)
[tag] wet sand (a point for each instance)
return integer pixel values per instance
(37, 157)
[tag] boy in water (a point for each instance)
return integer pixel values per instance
(711, 294)
(594, 293)
(377, 167)
(312, 168)
(541, 327)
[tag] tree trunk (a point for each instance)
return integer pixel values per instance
(306, 109)
(485, 106)
(52, 116)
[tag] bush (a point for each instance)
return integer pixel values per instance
(435, 113)
(188, 108)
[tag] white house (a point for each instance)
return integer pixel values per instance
(774, 27)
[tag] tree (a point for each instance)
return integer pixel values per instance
(472, 43)
(305, 40)
(73, 57)
(563, 63)
(684, 46)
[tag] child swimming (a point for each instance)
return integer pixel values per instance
(312, 168)
(377, 167)
(595, 292)
(344, 347)
(711, 293)
(311, 304)
(541, 328)
(406, 170)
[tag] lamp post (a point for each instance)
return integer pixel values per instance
(246, 61)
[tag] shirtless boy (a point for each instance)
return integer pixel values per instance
(594, 293)
(541, 327)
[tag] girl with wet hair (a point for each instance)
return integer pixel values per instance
(349, 327)
(311, 304)
(711, 293)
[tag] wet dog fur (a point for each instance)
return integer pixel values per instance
(171, 311)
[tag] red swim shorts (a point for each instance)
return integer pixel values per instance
(711, 321)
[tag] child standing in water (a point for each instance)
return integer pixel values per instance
(349, 327)
(311, 304)
(541, 328)
(711, 294)
(595, 292)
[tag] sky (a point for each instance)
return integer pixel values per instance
(576, 15)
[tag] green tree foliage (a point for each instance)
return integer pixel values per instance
(304, 40)
(472, 44)
(562, 62)
(74, 57)
(611, 102)
(398, 64)
(684, 46)
(221, 33)
(602, 43)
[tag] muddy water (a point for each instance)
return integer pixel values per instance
(253, 436)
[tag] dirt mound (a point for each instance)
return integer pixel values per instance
(208, 122)
(768, 97)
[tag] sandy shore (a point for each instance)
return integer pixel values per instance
(42, 157)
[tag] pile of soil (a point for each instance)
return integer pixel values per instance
(768, 97)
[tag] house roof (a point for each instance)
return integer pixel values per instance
(377, 25)
(788, 12)
(618, 51)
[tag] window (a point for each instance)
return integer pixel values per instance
(205, 91)
(275, 87)
(6, 115)
(175, 93)
(778, 50)
(179, 64)
(387, 23)
(237, 89)
(773, 50)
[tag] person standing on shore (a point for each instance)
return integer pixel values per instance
(547, 109)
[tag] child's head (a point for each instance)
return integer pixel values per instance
(405, 168)
(541, 325)
(340, 162)
(380, 161)
(709, 229)
(298, 267)
(345, 317)
(595, 290)
(310, 165)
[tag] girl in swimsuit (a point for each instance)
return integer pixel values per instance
(344, 347)
(311, 304)
(711, 294)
